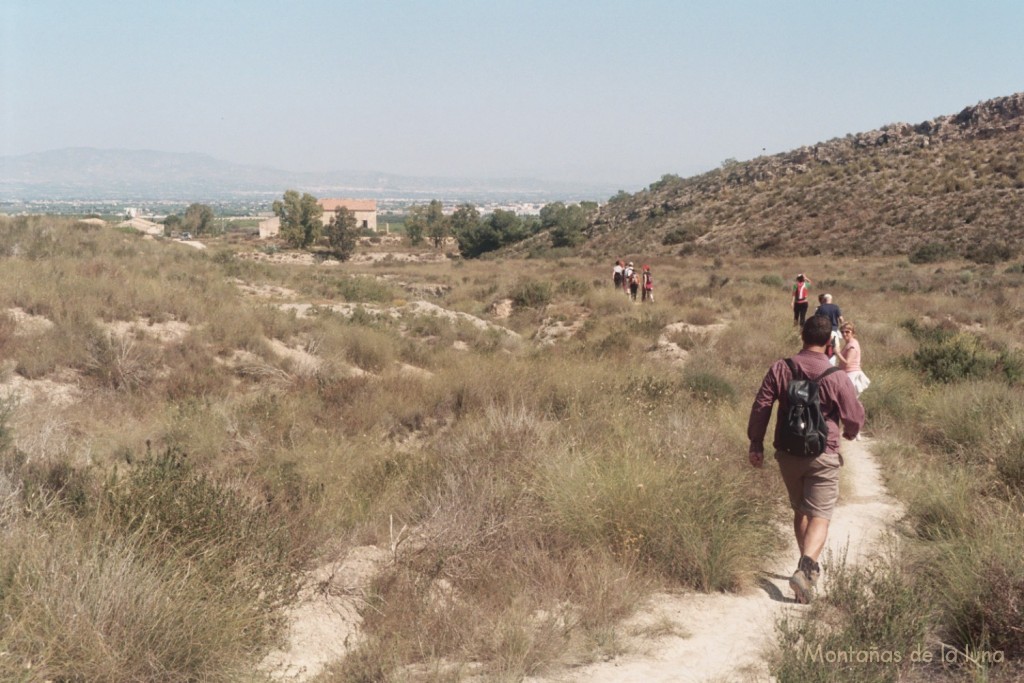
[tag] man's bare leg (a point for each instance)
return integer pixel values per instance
(811, 534)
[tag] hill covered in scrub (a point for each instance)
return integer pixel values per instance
(954, 184)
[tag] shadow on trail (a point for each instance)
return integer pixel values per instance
(774, 593)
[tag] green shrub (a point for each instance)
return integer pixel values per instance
(8, 404)
(364, 289)
(531, 294)
(990, 252)
(932, 252)
(956, 358)
(1010, 363)
(682, 234)
(651, 322)
(1015, 269)
(929, 333)
(772, 281)
(710, 387)
(573, 287)
(55, 482)
(650, 390)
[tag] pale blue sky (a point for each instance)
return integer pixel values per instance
(619, 91)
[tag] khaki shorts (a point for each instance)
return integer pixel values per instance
(812, 483)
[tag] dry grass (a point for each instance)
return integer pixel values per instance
(543, 489)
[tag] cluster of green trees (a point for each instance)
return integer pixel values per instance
(198, 220)
(477, 235)
(302, 225)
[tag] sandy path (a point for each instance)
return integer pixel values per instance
(324, 624)
(723, 637)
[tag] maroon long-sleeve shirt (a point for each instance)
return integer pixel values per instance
(838, 396)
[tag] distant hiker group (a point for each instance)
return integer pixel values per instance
(625, 276)
(842, 347)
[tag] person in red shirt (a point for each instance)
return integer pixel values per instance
(812, 483)
(800, 299)
(648, 285)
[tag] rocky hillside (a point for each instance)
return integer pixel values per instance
(955, 182)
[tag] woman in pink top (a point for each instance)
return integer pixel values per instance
(849, 358)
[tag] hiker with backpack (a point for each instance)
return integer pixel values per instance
(617, 274)
(835, 317)
(817, 404)
(634, 285)
(627, 276)
(647, 286)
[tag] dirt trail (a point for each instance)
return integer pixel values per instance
(723, 637)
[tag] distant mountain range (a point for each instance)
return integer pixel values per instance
(113, 174)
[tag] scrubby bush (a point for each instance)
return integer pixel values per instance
(931, 252)
(531, 294)
(682, 234)
(955, 358)
(573, 287)
(990, 252)
(710, 387)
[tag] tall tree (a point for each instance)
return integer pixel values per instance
(508, 225)
(438, 225)
(416, 223)
(567, 223)
(300, 218)
(341, 233)
(172, 224)
(198, 219)
(478, 236)
(465, 218)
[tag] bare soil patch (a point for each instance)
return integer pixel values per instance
(168, 332)
(27, 324)
(324, 623)
(673, 353)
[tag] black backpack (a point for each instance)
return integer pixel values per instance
(804, 429)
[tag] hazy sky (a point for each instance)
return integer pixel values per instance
(619, 91)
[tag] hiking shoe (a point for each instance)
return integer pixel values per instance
(804, 580)
(802, 588)
(811, 569)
